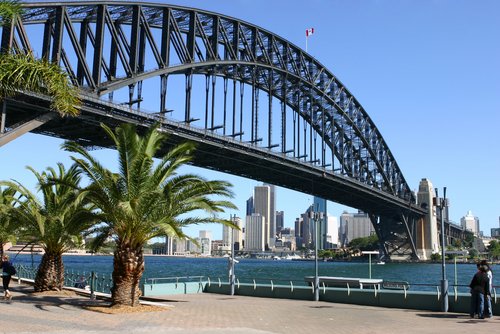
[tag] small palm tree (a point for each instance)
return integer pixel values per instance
(7, 227)
(55, 222)
(143, 201)
(22, 72)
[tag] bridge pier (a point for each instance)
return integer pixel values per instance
(427, 231)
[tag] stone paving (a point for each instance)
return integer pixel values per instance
(213, 313)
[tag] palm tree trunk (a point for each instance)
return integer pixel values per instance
(50, 274)
(128, 266)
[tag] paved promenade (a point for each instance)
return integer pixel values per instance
(212, 313)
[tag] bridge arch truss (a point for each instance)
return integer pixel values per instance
(228, 79)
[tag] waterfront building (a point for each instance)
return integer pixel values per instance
(355, 225)
(205, 242)
(254, 233)
(470, 223)
(180, 246)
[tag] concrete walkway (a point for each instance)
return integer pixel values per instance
(212, 313)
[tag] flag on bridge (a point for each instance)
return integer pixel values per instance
(309, 32)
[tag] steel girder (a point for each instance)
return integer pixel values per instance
(107, 46)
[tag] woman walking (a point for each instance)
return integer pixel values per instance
(7, 271)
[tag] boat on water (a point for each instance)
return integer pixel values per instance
(292, 257)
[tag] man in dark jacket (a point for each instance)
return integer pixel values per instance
(479, 288)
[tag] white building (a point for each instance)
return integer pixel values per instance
(470, 223)
(254, 233)
(332, 231)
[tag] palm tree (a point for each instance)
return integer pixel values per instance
(7, 227)
(55, 222)
(22, 72)
(143, 201)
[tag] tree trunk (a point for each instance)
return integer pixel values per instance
(128, 266)
(50, 274)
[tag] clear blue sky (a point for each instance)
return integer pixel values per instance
(427, 73)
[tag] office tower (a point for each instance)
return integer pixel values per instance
(254, 233)
(355, 225)
(344, 219)
(307, 229)
(262, 206)
(298, 231)
(249, 206)
(320, 206)
(272, 211)
(280, 221)
(470, 222)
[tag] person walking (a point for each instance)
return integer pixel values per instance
(7, 271)
(479, 288)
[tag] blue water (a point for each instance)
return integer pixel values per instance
(421, 276)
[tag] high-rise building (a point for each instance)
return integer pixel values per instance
(272, 211)
(298, 231)
(320, 206)
(237, 235)
(249, 206)
(254, 233)
(262, 206)
(470, 223)
(355, 225)
(280, 221)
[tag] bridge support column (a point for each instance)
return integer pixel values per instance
(427, 232)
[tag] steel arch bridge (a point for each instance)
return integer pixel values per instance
(258, 106)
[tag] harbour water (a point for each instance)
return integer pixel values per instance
(421, 276)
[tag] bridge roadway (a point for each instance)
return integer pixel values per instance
(213, 313)
(215, 152)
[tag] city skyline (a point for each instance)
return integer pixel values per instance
(426, 73)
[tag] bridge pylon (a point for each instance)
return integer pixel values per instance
(427, 231)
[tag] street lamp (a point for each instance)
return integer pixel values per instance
(441, 203)
(232, 261)
(315, 216)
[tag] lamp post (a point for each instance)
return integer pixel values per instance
(441, 203)
(315, 216)
(231, 262)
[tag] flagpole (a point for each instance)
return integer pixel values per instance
(307, 37)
